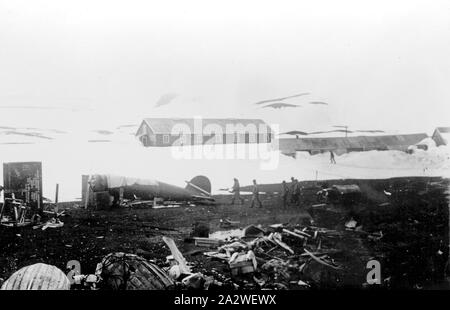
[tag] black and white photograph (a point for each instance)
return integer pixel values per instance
(224, 151)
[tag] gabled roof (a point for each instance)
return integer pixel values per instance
(443, 129)
(165, 125)
(441, 135)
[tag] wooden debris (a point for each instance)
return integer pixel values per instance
(276, 237)
(320, 261)
(207, 242)
(319, 205)
(243, 263)
(302, 233)
(293, 234)
(217, 255)
(184, 268)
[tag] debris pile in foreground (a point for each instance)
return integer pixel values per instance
(275, 257)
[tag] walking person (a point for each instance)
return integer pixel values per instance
(255, 197)
(284, 194)
(236, 190)
(332, 160)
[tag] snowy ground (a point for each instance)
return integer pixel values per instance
(66, 157)
(72, 143)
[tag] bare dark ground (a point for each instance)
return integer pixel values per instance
(413, 219)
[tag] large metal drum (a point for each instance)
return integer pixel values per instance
(37, 277)
(121, 271)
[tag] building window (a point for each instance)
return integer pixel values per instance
(199, 139)
(166, 139)
(247, 138)
(144, 140)
(181, 139)
(218, 139)
(263, 138)
(185, 139)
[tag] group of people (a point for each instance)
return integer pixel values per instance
(289, 195)
(236, 190)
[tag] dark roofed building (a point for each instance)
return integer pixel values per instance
(441, 135)
(341, 145)
(189, 131)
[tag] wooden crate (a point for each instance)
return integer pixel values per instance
(207, 242)
(242, 267)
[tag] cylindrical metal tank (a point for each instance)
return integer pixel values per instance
(37, 277)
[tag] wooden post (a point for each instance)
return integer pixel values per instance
(87, 193)
(120, 195)
(56, 197)
(16, 214)
(2, 202)
(448, 232)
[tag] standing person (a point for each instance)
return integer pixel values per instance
(332, 160)
(291, 190)
(255, 197)
(237, 192)
(284, 194)
(297, 192)
(294, 192)
(294, 197)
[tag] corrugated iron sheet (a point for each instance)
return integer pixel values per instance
(37, 277)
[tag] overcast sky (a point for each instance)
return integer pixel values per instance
(379, 64)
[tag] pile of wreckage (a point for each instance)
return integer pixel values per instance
(16, 213)
(276, 257)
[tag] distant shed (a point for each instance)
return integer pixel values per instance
(185, 131)
(441, 136)
(341, 145)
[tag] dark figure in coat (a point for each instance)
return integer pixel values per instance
(236, 190)
(332, 160)
(284, 194)
(255, 197)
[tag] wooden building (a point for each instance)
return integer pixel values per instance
(341, 145)
(185, 131)
(441, 135)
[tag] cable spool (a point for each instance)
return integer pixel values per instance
(121, 271)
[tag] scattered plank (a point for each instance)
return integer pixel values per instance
(320, 261)
(184, 268)
(293, 234)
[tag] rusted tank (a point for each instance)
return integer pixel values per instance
(121, 271)
(37, 277)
